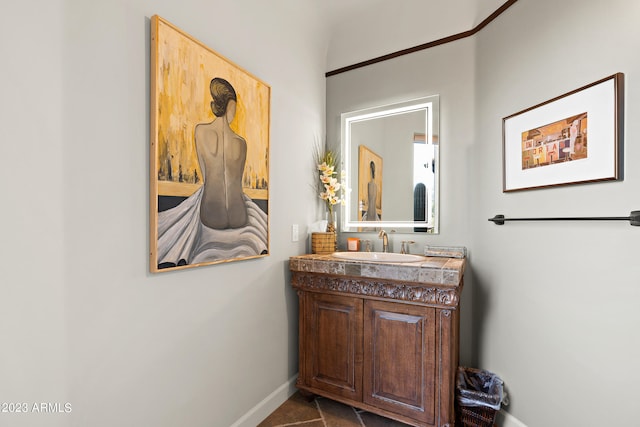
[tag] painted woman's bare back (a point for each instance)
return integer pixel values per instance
(221, 154)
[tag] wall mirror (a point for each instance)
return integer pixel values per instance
(390, 158)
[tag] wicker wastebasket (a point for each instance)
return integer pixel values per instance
(479, 395)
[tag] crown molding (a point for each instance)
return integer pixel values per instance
(424, 46)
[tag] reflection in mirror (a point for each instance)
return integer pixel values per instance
(390, 157)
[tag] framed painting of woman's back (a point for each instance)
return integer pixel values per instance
(209, 155)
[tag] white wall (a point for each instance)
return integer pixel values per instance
(447, 70)
(549, 307)
(367, 29)
(82, 320)
(33, 336)
(557, 312)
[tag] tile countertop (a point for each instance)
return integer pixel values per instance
(434, 269)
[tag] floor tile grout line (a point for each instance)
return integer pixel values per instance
(358, 416)
(324, 423)
(299, 423)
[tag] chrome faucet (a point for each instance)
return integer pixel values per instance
(385, 240)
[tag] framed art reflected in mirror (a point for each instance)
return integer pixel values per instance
(369, 185)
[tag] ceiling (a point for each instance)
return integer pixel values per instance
(365, 29)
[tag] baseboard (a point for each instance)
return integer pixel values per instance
(505, 419)
(269, 404)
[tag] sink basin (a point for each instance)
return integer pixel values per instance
(378, 256)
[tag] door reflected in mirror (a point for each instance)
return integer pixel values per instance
(390, 158)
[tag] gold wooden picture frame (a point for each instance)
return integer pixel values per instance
(209, 155)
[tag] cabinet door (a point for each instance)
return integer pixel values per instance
(399, 353)
(334, 344)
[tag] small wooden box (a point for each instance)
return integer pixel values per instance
(323, 243)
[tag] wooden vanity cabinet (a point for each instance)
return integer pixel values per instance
(399, 359)
(331, 344)
(392, 357)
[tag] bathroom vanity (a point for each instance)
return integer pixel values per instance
(380, 336)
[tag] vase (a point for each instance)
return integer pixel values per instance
(331, 222)
(331, 228)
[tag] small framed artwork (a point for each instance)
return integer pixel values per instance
(209, 155)
(369, 185)
(571, 139)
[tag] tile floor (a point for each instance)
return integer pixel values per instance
(321, 412)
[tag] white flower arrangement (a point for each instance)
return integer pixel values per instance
(330, 187)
